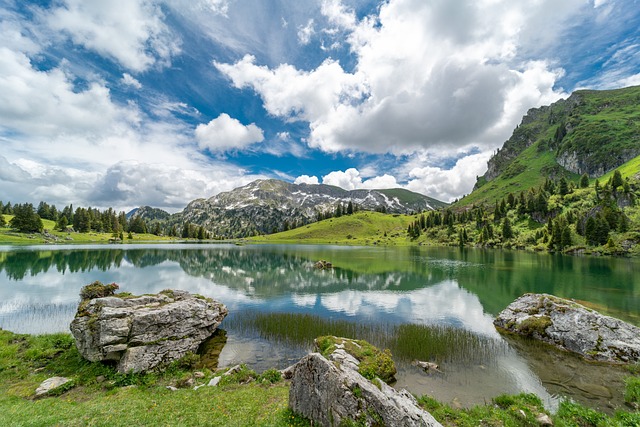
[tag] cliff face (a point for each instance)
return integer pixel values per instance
(590, 132)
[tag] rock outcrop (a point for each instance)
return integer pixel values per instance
(573, 327)
(141, 333)
(332, 394)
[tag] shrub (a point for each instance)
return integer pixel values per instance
(98, 290)
(270, 376)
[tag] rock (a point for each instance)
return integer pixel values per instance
(214, 381)
(233, 370)
(427, 366)
(332, 394)
(573, 327)
(287, 373)
(172, 388)
(323, 265)
(198, 374)
(50, 384)
(144, 332)
(100, 379)
(544, 420)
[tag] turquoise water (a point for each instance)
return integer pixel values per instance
(374, 291)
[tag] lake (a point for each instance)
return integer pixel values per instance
(434, 304)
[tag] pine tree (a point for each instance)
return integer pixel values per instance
(584, 181)
(566, 237)
(62, 223)
(26, 220)
(507, 231)
(3, 222)
(563, 187)
(350, 208)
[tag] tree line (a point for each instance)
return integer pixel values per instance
(549, 210)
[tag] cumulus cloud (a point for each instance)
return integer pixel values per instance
(447, 184)
(428, 75)
(351, 179)
(132, 183)
(226, 133)
(131, 32)
(306, 179)
(47, 103)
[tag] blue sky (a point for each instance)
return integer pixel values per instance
(124, 103)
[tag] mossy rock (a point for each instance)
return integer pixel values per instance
(98, 290)
(534, 325)
(374, 363)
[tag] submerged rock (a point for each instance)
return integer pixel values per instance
(323, 265)
(141, 333)
(332, 394)
(573, 327)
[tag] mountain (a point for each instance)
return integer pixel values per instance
(265, 206)
(148, 214)
(590, 132)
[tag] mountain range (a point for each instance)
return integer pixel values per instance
(590, 133)
(270, 205)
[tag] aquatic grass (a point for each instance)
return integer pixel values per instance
(443, 344)
(407, 342)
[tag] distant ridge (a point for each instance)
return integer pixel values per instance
(268, 205)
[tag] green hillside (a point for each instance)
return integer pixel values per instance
(591, 132)
(361, 228)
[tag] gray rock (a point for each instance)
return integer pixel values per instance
(214, 381)
(50, 384)
(330, 394)
(141, 333)
(573, 327)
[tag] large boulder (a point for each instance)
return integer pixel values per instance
(573, 327)
(143, 332)
(331, 394)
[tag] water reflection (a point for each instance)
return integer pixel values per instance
(462, 289)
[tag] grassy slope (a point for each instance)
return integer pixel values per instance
(531, 162)
(361, 228)
(8, 236)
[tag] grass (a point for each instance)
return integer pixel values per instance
(101, 397)
(361, 228)
(9, 236)
(125, 400)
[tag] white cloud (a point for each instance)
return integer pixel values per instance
(351, 179)
(444, 184)
(295, 94)
(305, 32)
(129, 80)
(306, 179)
(131, 32)
(226, 133)
(429, 75)
(218, 7)
(47, 103)
(64, 144)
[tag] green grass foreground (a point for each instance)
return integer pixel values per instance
(99, 396)
(12, 237)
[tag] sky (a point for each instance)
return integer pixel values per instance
(125, 103)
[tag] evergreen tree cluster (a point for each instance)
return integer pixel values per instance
(594, 219)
